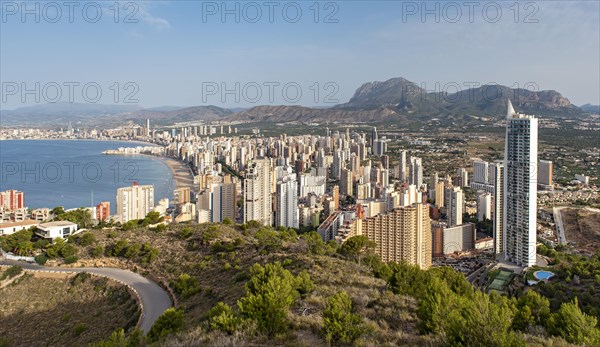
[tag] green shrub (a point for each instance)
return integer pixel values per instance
(304, 284)
(270, 293)
(41, 259)
(185, 233)
(80, 328)
(227, 266)
(87, 239)
(97, 251)
(171, 321)
(71, 259)
(340, 325)
(222, 318)
(80, 278)
(11, 272)
(186, 286)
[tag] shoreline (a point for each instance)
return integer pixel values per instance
(181, 173)
(141, 142)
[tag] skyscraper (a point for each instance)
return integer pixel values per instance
(520, 187)
(134, 202)
(286, 214)
(415, 172)
(454, 206)
(497, 179)
(545, 173)
(257, 193)
(402, 167)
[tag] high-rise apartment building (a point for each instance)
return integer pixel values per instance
(454, 206)
(103, 211)
(415, 172)
(286, 209)
(403, 234)
(12, 200)
(497, 179)
(520, 187)
(545, 173)
(257, 192)
(134, 202)
(346, 182)
(484, 206)
(402, 167)
(217, 202)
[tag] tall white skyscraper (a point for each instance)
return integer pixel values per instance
(454, 206)
(415, 172)
(402, 167)
(286, 213)
(134, 202)
(497, 180)
(520, 187)
(257, 193)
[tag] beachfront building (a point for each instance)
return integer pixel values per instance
(11, 200)
(134, 202)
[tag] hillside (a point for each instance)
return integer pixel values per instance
(241, 285)
(63, 312)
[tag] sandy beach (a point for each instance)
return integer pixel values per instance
(181, 172)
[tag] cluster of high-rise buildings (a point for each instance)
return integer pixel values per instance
(344, 184)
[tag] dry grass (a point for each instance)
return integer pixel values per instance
(391, 319)
(55, 312)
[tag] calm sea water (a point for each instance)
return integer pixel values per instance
(75, 173)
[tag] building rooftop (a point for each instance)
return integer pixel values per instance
(18, 224)
(62, 223)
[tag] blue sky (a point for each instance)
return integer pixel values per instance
(176, 51)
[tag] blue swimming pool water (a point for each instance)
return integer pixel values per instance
(543, 275)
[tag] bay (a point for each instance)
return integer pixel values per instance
(75, 173)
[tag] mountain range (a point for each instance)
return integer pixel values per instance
(396, 99)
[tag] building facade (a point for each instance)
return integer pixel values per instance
(520, 188)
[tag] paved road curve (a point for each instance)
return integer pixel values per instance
(155, 300)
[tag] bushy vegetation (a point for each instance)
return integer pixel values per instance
(169, 322)
(11, 272)
(254, 285)
(340, 325)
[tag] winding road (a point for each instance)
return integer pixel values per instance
(154, 299)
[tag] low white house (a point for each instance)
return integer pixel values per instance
(12, 227)
(52, 230)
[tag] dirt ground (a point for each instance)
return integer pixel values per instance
(582, 227)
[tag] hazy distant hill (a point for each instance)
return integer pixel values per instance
(195, 113)
(406, 97)
(307, 114)
(404, 101)
(595, 109)
(396, 99)
(60, 114)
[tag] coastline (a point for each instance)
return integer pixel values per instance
(182, 176)
(98, 140)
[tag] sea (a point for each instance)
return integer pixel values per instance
(75, 173)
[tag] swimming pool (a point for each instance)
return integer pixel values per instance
(543, 275)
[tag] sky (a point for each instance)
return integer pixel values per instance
(242, 54)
